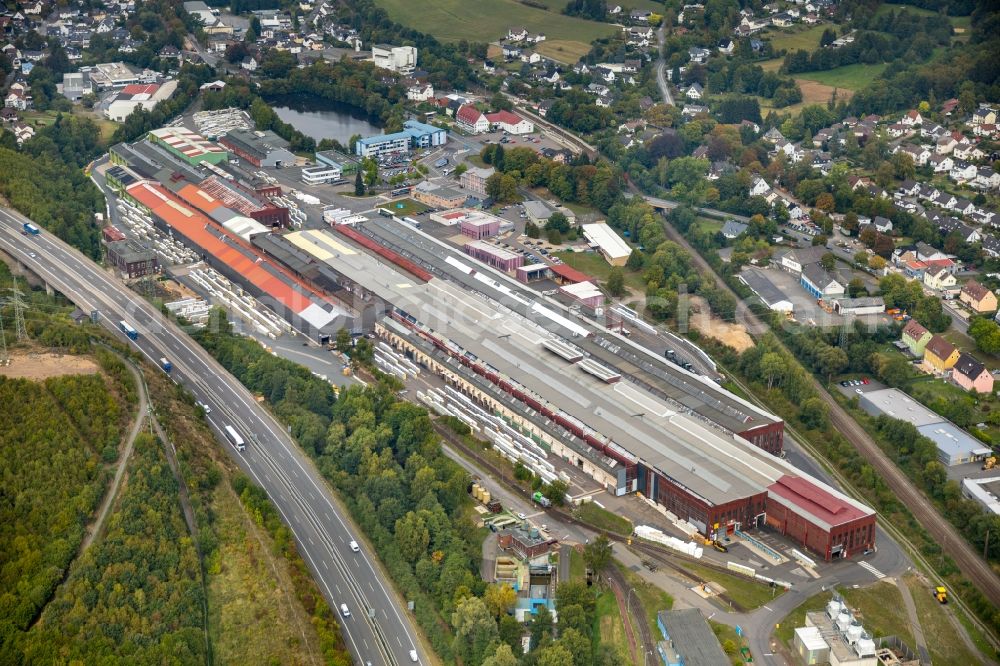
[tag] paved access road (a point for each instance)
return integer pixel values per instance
(378, 630)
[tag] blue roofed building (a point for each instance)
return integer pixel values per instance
(414, 135)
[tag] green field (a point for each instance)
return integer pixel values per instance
(849, 77)
(741, 590)
(943, 642)
(608, 626)
(594, 265)
(960, 22)
(798, 37)
(603, 519)
(454, 20)
(404, 207)
(880, 608)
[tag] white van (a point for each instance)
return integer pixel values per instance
(354, 546)
(344, 611)
(413, 656)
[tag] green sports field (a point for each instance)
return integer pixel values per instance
(454, 20)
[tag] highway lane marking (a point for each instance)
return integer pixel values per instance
(399, 641)
(325, 565)
(311, 541)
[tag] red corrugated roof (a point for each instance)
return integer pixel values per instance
(815, 500)
(199, 198)
(139, 88)
(506, 117)
(194, 226)
(570, 274)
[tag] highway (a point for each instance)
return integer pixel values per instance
(377, 631)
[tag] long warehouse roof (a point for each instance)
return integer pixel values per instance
(195, 226)
(716, 466)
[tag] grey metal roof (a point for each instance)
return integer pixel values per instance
(691, 637)
(761, 285)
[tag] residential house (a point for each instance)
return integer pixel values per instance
(726, 46)
(939, 278)
(950, 225)
(915, 337)
(966, 150)
(977, 297)
(17, 99)
(881, 224)
(927, 253)
(517, 34)
(940, 354)
(912, 118)
(698, 54)
(249, 64)
(970, 374)
(945, 145)
(895, 130)
(962, 171)
(695, 92)
(940, 163)
(987, 178)
(984, 115)
(510, 52)
(732, 229)
(759, 187)
(693, 111)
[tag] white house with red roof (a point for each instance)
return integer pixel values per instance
(510, 122)
(471, 119)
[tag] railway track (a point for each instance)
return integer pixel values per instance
(952, 543)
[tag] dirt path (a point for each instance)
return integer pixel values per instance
(911, 613)
(140, 418)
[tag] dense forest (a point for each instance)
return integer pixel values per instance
(57, 196)
(54, 437)
(134, 596)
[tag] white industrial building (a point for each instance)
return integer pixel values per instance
(986, 491)
(865, 305)
(761, 285)
(139, 96)
(395, 58)
(955, 446)
(320, 174)
(612, 246)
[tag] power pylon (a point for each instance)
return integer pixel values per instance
(20, 332)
